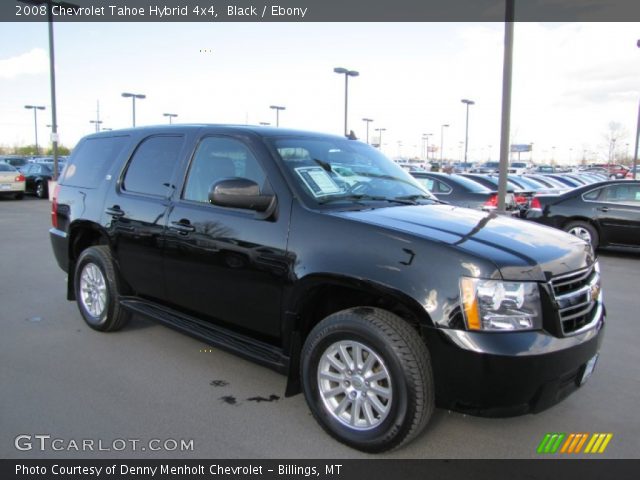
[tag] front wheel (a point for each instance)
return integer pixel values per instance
(98, 290)
(367, 379)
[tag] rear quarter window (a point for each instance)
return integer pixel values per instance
(91, 160)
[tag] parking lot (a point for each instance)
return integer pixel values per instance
(61, 378)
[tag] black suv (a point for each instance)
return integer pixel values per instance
(317, 256)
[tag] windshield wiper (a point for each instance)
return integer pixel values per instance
(376, 198)
(413, 199)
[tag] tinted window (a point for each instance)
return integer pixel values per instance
(217, 158)
(5, 167)
(622, 194)
(151, 168)
(471, 185)
(442, 188)
(90, 161)
(593, 194)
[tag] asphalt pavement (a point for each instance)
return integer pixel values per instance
(153, 387)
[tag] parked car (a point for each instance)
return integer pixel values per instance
(532, 185)
(633, 173)
(37, 176)
(519, 168)
(14, 160)
(521, 196)
(462, 192)
(548, 181)
(376, 300)
(568, 181)
(11, 181)
(487, 167)
(615, 171)
(603, 214)
(544, 169)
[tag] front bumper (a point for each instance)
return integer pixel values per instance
(507, 374)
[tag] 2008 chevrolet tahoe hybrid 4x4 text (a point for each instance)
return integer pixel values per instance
(316, 256)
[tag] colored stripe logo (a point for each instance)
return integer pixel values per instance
(574, 443)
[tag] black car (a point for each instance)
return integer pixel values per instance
(603, 214)
(461, 191)
(14, 161)
(317, 256)
(37, 178)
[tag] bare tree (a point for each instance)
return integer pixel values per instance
(615, 141)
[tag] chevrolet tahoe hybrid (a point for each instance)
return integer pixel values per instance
(318, 257)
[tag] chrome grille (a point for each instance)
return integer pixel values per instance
(577, 295)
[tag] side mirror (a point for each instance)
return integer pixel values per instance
(238, 192)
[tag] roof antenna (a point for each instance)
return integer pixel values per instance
(352, 135)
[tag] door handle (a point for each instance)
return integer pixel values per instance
(182, 227)
(603, 209)
(115, 211)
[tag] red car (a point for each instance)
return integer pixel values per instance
(615, 170)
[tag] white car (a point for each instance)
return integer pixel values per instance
(12, 182)
(520, 168)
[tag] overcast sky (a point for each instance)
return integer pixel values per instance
(570, 81)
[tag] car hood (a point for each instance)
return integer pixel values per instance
(519, 249)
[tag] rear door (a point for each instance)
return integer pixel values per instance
(135, 212)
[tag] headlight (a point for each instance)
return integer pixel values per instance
(494, 305)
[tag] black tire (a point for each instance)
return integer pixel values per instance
(41, 190)
(19, 196)
(577, 225)
(112, 316)
(407, 362)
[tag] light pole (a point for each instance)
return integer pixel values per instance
(35, 109)
(466, 134)
(442, 127)
(425, 136)
(347, 73)
(635, 155)
(368, 120)
(97, 123)
(133, 97)
(277, 108)
(170, 115)
(380, 130)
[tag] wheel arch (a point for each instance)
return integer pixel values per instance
(318, 296)
(82, 235)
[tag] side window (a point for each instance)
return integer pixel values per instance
(90, 161)
(622, 194)
(593, 195)
(217, 158)
(443, 188)
(427, 183)
(151, 168)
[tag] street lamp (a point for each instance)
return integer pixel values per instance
(425, 136)
(277, 108)
(466, 135)
(442, 127)
(52, 73)
(97, 123)
(35, 109)
(170, 115)
(347, 73)
(133, 97)
(635, 155)
(368, 120)
(380, 130)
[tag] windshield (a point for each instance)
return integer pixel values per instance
(334, 171)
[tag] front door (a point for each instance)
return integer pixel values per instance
(224, 264)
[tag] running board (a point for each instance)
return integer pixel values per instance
(211, 334)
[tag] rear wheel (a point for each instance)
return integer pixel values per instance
(367, 379)
(98, 290)
(41, 190)
(583, 230)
